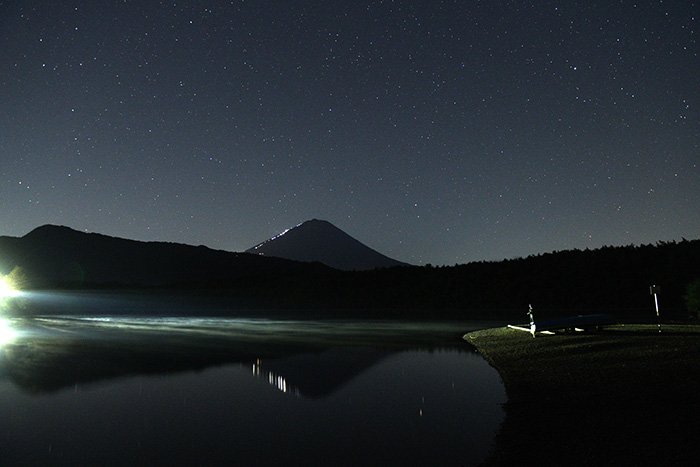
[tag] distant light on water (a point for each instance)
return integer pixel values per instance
(276, 381)
(7, 333)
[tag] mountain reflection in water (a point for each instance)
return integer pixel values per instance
(208, 390)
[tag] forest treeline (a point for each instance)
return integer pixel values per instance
(612, 280)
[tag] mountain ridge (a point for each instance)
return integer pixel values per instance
(54, 255)
(321, 241)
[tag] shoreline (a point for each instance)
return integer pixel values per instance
(625, 395)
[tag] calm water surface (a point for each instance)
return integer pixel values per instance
(211, 391)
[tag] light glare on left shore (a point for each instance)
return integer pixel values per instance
(7, 288)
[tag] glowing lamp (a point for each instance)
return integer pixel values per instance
(7, 289)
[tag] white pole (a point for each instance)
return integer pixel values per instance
(656, 305)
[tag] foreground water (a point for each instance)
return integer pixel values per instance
(79, 390)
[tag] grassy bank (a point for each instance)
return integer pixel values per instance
(626, 395)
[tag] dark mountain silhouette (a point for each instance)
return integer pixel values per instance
(52, 256)
(319, 240)
(612, 280)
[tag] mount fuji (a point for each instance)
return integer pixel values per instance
(320, 241)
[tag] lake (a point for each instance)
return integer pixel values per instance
(117, 390)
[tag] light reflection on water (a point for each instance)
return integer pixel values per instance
(7, 332)
(261, 325)
(277, 381)
(244, 391)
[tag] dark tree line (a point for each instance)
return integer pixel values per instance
(607, 280)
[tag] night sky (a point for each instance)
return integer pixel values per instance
(433, 131)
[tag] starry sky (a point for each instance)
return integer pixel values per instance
(434, 131)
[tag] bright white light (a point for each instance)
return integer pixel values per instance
(7, 334)
(7, 289)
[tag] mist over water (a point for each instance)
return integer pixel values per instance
(114, 389)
